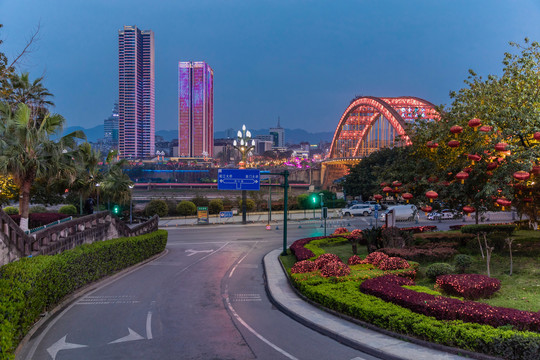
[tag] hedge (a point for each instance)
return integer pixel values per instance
(33, 285)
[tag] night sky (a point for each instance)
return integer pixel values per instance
(300, 60)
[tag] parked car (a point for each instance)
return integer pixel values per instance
(356, 210)
(444, 214)
(401, 212)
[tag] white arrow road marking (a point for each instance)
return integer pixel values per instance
(62, 345)
(149, 324)
(131, 337)
(193, 252)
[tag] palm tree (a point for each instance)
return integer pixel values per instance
(87, 170)
(116, 183)
(27, 152)
(33, 94)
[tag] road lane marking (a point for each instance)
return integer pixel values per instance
(62, 345)
(246, 297)
(149, 325)
(249, 266)
(193, 252)
(132, 336)
(107, 300)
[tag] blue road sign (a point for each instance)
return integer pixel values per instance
(225, 214)
(239, 179)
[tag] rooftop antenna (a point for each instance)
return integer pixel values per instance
(278, 122)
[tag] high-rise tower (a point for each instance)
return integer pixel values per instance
(195, 109)
(136, 120)
(110, 127)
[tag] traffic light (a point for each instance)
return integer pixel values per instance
(314, 199)
(116, 209)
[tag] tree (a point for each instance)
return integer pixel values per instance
(186, 208)
(27, 153)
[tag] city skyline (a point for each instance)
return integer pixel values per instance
(136, 93)
(304, 63)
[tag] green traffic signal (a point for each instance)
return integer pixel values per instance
(116, 209)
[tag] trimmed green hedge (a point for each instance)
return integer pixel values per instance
(346, 298)
(31, 286)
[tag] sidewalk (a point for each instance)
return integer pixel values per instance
(369, 341)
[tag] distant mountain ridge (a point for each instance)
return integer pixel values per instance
(292, 136)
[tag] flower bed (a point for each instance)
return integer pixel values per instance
(422, 253)
(419, 229)
(389, 288)
(469, 286)
(303, 266)
(302, 253)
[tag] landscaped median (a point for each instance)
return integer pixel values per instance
(380, 290)
(31, 286)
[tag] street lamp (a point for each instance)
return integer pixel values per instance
(98, 185)
(131, 203)
(322, 212)
(244, 144)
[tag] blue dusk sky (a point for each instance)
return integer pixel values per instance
(300, 60)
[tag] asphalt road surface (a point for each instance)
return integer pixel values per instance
(203, 299)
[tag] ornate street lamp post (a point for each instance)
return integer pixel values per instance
(131, 203)
(244, 144)
(98, 185)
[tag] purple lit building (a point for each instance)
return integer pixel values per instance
(195, 109)
(136, 86)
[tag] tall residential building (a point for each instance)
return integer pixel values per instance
(110, 127)
(279, 135)
(136, 120)
(195, 109)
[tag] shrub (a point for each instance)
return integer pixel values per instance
(462, 262)
(438, 237)
(39, 209)
(40, 219)
(322, 260)
(156, 207)
(200, 200)
(299, 251)
(11, 210)
(171, 207)
(215, 206)
(303, 266)
(428, 252)
(469, 286)
(393, 263)
(341, 230)
(355, 260)
(419, 229)
(392, 237)
(31, 286)
(335, 268)
(68, 210)
(250, 204)
(375, 258)
(438, 269)
(186, 208)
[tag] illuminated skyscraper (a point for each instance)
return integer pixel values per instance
(195, 109)
(136, 120)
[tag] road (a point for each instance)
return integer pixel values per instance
(203, 299)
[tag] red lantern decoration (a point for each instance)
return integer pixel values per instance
(383, 184)
(456, 129)
(387, 189)
(431, 195)
(536, 170)
(407, 196)
(426, 209)
(378, 197)
(537, 135)
(492, 165)
(528, 199)
(432, 145)
(475, 123)
(453, 143)
(468, 209)
(521, 175)
(474, 157)
(396, 184)
(501, 146)
(462, 175)
(396, 191)
(432, 179)
(485, 128)
(503, 202)
(468, 170)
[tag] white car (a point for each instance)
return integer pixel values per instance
(356, 210)
(401, 212)
(443, 214)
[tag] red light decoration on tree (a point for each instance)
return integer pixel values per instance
(431, 195)
(383, 184)
(467, 209)
(474, 157)
(432, 145)
(462, 175)
(537, 135)
(475, 123)
(501, 146)
(456, 129)
(504, 202)
(453, 143)
(521, 175)
(407, 196)
(387, 189)
(396, 191)
(468, 169)
(536, 170)
(426, 209)
(528, 199)
(396, 184)
(492, 165)
(377, 197)
(432, 179)
(485, 128)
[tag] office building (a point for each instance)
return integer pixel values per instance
(195, 109)
(278, 134)
(110, 127)
(136, 111)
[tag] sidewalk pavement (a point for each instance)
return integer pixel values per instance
(369, 341)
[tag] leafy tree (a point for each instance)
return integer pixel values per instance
(186, 208)
(156, 207)
(215, 206)
(200, 200)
